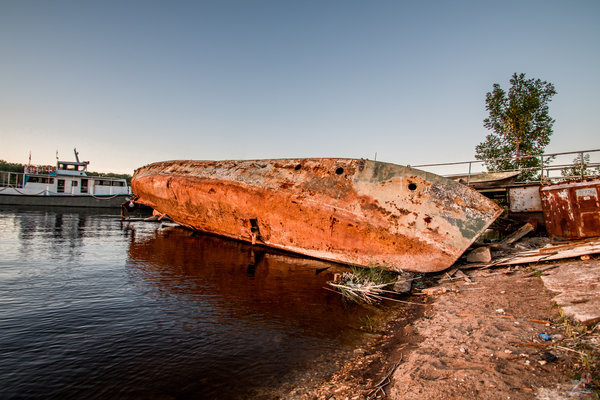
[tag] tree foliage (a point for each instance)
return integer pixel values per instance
(111, 175)
(11, 167)
(520, 125)
(580, 168)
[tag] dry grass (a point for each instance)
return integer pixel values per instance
(584, 342)
(364, 285)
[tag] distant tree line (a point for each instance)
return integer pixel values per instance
(111, 175)
(17, 167)
(11, 167)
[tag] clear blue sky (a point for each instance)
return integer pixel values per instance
(133, 82)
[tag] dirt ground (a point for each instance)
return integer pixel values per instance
(479, 339)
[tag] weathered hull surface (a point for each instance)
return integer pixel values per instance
(345, 210)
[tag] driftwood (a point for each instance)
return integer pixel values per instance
(539, 321)
(522, 231)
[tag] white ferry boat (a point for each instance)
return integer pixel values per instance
(67, 185)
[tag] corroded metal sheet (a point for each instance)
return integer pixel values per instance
(345, 210)
(525, 199)
(572, 209)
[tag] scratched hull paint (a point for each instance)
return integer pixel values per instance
(350, 211)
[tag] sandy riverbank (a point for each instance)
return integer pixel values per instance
(481, 339)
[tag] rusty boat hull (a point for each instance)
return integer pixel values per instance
(351, 211)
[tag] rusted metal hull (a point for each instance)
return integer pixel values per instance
(572, 209)
(345, 210)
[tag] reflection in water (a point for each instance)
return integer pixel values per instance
(241, 281)
(62, 230)
(96, 308)
(267, 312)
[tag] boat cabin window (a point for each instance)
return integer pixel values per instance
(84, 186)
(74, 183)
(109, 183)
(40, 179)
(60, 186)
(68, 167)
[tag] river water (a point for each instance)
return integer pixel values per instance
(91, 307)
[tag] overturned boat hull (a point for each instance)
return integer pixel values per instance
(351, 211)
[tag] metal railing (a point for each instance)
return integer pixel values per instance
(552, 166)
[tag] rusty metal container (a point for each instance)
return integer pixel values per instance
(572, 209)
(350, 211)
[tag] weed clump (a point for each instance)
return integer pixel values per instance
(364, 285)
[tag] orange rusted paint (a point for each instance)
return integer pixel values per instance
(351, 211)
(572, 209)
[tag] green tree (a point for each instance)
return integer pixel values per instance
(580, 168)
(520, 125)
(11, 167)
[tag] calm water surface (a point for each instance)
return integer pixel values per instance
(91, 307)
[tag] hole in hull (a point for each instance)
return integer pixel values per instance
(254, 225)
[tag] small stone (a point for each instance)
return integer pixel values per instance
(480, 255)
(403, 283)
(585, 257)
(500, 311)
(527, 362)
(463, 350)
(507, 351)
(543, 362)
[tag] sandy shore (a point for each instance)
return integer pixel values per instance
(479, 339)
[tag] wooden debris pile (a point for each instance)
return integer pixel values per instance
(518, 249)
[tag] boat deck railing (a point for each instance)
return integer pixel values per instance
(552, 167)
